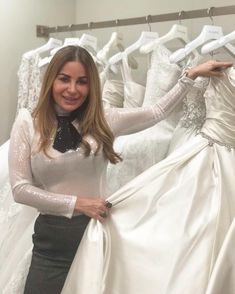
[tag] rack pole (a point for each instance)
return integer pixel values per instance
(45, 31)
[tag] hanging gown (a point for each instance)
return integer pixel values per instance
(167, 226)
(112, 90)
(15, 261)
(146, 148)
(16, 220)
(133, 92)
(29, 85)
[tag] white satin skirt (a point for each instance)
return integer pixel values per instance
(170, 230)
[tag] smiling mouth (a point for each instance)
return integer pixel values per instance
(69, 99)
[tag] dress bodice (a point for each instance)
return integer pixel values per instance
(113, 93)
(194, 106)
(161, 76)
(220, 104)
(133, 92)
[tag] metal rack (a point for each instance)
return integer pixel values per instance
(45, 31)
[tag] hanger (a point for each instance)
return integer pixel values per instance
(51, 43)
(67, 42)
(177, 31)
(144, 38)
(221, 42)
(209, 32)
(114, 41)
(89, 42)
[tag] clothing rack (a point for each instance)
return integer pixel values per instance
(45, 31)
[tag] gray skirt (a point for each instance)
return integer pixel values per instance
(55, 241)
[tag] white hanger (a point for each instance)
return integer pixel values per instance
(103, 54)
(144, 38)
(67, 42)
(51, 43)
(221, 42)
(114, 41)
(209, 32)
(177, 31)
(88, 42)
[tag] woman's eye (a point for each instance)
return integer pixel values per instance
(63, 79)
(82, 82)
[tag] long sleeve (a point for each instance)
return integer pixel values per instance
(21, 178)
(130, 120)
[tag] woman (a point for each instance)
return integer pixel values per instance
(58, 157)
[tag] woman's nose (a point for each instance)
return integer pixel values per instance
(72, 87)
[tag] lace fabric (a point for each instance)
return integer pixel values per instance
(30, 79)
(194, 106)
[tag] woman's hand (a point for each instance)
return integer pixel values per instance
(211, 68)
(96, 208)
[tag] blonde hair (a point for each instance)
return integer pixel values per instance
(90, 115)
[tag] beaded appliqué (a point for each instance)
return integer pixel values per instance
(212, 141)
(194, 113)
(194, 105)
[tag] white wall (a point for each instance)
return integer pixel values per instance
(18, 20)
(88, 11)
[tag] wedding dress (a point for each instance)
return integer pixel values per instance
(168, 225)
(146, 148)
(16, 220)
(133, 91)
(29, 85)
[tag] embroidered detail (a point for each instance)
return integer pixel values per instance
(194, 113)
(212, 141)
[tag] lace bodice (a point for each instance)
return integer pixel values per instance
(162, 75)
(194, 106)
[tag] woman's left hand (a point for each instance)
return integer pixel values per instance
(211, 68)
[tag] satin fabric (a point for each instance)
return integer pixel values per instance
(169, 226)
(223, 276)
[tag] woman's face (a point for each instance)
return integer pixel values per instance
(70, 88)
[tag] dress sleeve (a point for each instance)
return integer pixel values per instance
(21, 178)
(125, 121)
